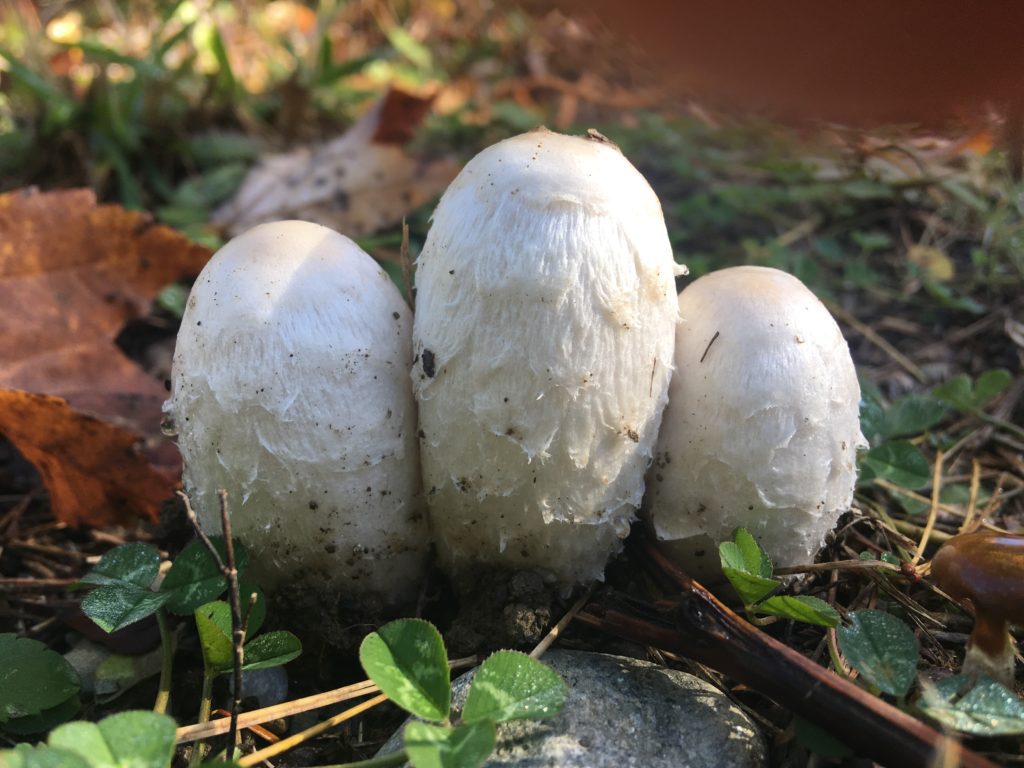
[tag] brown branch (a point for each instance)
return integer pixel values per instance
(702, 628)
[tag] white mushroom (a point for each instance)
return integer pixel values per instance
(290, 389)
(762, 427)
(544, 328)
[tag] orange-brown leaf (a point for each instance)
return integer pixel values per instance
(94, 471)
(72, 273)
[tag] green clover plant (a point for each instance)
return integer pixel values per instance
(408, 662)
(749, 569)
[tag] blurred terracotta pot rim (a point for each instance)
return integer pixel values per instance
(861, 62)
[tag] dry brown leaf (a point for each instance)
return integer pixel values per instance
(357, 184)
(71, 275)
(93, 470)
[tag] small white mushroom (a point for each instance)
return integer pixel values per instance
(543, 336)
(290, 389)
(762, 427)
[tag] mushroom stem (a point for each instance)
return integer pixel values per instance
(990, 650)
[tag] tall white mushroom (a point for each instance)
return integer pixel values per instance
(762, 427)
(543, 336)
(290, 389)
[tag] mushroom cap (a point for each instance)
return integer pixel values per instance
(290, 389)
(543, 338)
(985, 569)
(762, 427)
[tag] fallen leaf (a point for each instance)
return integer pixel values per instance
(935, 263)
(94, 471)
(72, 273)
(357, 184)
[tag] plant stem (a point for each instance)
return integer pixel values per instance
(237, 628)
(298, 738)
(995, 421)
(163, 694)
(205, 704)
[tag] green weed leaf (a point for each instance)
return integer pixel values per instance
(434, 746)
(134, 565)
(271, 650)
(911, 416)
(413, 50)
(213, 621)
(195, 579)
(511, 686)
(990, 384)
(809, 610)
(32, 678)
(114, 608)
(882, 648)
(124, 575)
(988, 709)
(42, 756)
(407, 659)
(259, 609)
(965, 395)
(125, 740)
(118, 673)
(45, 720)
(872, 420)
(898, 462)
(747, 567)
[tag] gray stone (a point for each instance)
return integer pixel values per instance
(625, 713)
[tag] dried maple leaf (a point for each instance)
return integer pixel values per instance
(71, 275)
(357, 184)
(93, 470)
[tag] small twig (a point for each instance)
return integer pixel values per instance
(933, 510)
(910, 529)
(302, 736)
(163, 693)
(258, 730)
(191, 514)
(839, 565)
(288, 708)
(871, 335)
(556, 630)
(205, 704)
(237, 628)
(906, 492)
(972, 503)
(708, 347)
(35, 585)
(230, 572)
(189, 733)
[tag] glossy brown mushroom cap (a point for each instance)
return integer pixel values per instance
(986, 570)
